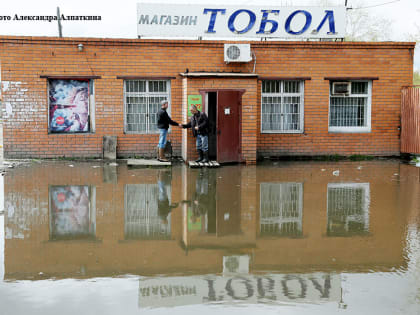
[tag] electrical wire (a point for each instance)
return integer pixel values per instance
(376, 5)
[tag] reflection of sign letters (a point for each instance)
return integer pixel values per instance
(315, 288)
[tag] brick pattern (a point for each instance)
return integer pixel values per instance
(25, 59)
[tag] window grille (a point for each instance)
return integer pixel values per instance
(282, 107)
(348, 209)
(281, 209)
(141, 216)
(351, 113)
(142, 101)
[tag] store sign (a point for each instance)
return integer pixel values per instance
(158, 20)
(247, 289)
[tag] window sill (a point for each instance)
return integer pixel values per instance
(282, 132)
(141, 133)
(70, 133)
(349, 130)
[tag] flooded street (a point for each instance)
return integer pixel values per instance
(277, 238)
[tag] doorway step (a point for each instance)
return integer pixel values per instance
(147, 163)
(193, 164)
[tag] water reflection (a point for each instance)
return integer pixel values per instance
(202, 207)
(281, 209)
(272, 233)
(348, 209)
(175, 291)
(72, 212)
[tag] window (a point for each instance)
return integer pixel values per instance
(351, 112)
(69, 106)
(281, 209)
(348, 209)
(142, 102)
(145, 215)
(282, 107)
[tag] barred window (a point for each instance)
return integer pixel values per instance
(281, 209)
(351, 112)
(142, 100)
(282, 106)
(348, 209)
(142, 218)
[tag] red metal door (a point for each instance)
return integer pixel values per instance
(410, 120)
(228, 126)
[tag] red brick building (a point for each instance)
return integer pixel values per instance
(286, 101)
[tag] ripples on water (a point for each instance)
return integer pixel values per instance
(291, 237)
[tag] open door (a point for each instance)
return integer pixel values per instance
(228, 126)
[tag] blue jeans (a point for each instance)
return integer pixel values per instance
(163, 195)
(162, 138)
(202, 143)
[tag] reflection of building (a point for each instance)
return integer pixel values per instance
(72, 212)
(348, 209)
(213, 219)
(141, 218)
(238, 218)
(174, 291)
(281, 209)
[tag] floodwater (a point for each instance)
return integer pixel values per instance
(277, 238)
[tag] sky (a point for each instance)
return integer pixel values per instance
(118, 18)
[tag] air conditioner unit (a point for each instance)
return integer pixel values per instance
(341, 88)
(237, 53)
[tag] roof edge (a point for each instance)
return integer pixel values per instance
(182, 42)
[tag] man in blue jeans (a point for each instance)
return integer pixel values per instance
(199, 124)
(163, 122)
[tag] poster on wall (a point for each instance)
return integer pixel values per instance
(69, 106)
(71, 212)
(194, 100)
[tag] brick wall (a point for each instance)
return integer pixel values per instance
(25, 59)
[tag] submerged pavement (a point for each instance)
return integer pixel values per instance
(292, 237)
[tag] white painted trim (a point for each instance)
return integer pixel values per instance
(368, 127)
(206, 104)
(92, 107)
(147, 94)
(302, 107)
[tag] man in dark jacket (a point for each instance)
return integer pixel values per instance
(163, 122)
(199, 124)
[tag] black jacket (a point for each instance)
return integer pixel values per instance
(199, 119)
(163, 120)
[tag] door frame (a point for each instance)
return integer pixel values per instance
(241, 92)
